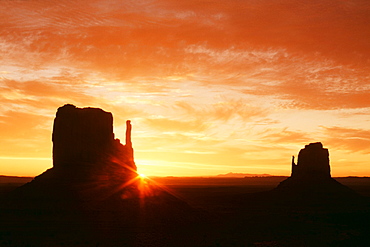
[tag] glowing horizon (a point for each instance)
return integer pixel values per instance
(210, 87)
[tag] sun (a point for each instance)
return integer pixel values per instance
(141, 175)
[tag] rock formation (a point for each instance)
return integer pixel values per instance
(313, 161)
(310, 178)
(90, 166)
(88, 162)
(84, 139)
(92, 191)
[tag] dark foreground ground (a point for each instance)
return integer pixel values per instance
(227, 212)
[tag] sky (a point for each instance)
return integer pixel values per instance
(211, 87)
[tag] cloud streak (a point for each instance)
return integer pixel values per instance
(349, 139)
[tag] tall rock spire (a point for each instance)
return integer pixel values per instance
(128, 133)
(128, 145)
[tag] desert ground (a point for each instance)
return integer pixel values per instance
(227, 212)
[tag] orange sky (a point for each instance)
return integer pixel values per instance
(210, 86)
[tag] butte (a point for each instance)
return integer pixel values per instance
(311, 179)
(92, 170)
(93, 194)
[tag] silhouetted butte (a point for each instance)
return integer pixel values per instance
(311, 179)
(92, 193)
(91, 167)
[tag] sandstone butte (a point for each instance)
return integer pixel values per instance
(93, 170)
(311, 179)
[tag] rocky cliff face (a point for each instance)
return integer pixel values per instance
(313, 161)
(81, 135)
(88, 162)
(83, 139)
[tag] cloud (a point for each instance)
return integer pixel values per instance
(320, 85)
(273, 49)
(35, 96)
(223, 110)
(148, 36)
(348, 139)
(25, 134)
(168, 125)
(284, 136)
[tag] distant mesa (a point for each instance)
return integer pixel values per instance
(310, 187)
(311, 178)
(241, 175)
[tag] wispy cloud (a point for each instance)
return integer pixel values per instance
(349, 139)
(284, 136)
